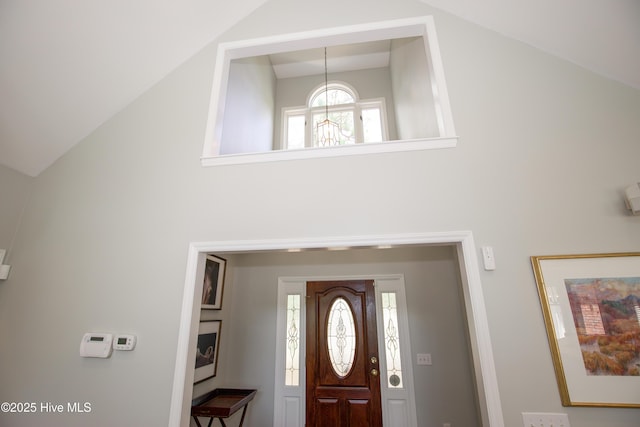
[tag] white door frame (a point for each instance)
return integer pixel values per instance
(481, 350)
(289, 403)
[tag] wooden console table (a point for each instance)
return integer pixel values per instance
(222, 403)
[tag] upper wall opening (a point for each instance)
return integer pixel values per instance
(258, 83)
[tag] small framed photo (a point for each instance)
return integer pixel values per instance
(214, 274)
(207, 350)
(591, 309)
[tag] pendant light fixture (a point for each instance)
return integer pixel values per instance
(327, 131)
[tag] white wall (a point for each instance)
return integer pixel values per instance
(414, 102)
(545, 149)
(249, 108)
(436, 322)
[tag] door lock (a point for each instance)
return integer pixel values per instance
(374, 360)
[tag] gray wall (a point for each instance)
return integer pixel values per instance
(414, 104)
(545, 149)
(249, 114)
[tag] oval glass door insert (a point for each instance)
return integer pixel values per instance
(341, 337)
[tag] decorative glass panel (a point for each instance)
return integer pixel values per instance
(332, 97)
(391, 339)
(341, 337)
(292, 353)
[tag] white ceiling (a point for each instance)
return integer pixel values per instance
(70, 65)
(350, 57)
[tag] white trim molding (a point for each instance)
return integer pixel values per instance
(481, 349)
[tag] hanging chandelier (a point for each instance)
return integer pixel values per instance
(327, 131)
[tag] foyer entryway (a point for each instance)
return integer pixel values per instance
(265, 255)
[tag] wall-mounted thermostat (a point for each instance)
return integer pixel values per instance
(124, 342)
(96, 345)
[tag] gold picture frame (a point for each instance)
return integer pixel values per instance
(591, 309)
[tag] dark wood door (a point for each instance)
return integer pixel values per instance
(343, 380)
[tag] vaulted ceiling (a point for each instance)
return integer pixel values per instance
(70, 65)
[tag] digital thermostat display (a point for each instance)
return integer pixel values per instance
(124, 342)
(96, 344)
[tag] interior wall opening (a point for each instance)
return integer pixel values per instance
(248, 357)
(258, 85)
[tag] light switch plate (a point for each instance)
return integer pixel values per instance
(4, 269)
(4, 272)
(423, 359)
(545, 419)
(488, 258)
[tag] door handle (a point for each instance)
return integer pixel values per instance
(374, 372)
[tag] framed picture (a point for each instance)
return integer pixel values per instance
(591, 309)
(214, 272)
(207, 350)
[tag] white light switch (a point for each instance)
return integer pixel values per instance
(488, 258)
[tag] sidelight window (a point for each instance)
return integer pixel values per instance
(391, 339)
(292, 352)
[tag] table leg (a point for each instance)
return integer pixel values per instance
(244, 412)
(200, 425)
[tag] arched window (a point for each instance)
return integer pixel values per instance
(334, 115)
